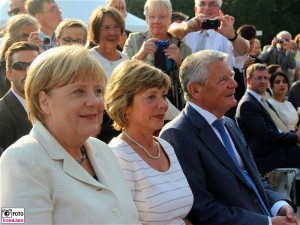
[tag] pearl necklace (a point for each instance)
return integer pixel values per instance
(142, 147)
(83, 153)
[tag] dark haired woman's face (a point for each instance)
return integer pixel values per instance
(280, 85)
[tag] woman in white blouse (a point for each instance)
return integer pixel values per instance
(136, 99)
(285, 110)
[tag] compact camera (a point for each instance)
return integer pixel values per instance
(6, 213)
(280, 41)
(162, 45)
(46, 41)
(210, 24)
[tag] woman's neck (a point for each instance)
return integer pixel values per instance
(108, 53)
(278, 98)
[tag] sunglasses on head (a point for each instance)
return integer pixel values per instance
(13, 12)
(20, 65)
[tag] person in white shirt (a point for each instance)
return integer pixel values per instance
(136, 100)
(287, 113)
(224, 39)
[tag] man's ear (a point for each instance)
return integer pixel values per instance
(44, 102)
(194, 89)
(8, 74)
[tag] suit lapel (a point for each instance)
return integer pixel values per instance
(17, 109)
(209, 139)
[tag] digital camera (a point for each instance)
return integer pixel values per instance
(210, 24)
(162, 45)
(280, 40)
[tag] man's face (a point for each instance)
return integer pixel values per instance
(16, 7)
(50, 17)
(18, 72)
(208, 7)
(217, 96)
(286, 39)
(259, 81)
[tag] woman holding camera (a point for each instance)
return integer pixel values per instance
(135, 99)
(156, 46)
(59, 173)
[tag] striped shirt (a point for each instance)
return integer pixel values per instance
(160, 197)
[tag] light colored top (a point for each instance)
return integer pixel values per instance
(38, 174)
(286, 112)
(217, 42)
(107, 65)
(160, 197)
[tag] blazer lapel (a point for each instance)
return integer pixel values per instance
(58, 153)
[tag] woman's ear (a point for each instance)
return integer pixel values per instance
(44, 102)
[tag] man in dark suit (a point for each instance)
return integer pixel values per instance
(272, 146)
(218, 164)
(14, 123)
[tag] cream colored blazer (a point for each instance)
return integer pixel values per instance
(38, 174)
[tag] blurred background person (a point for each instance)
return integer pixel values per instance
(105, 28)
(136, 99)
(19, 28)
(121, 6)
(48, 15)
(294, 95)
(179, 17)
(279, 53)
(71, 177)
(158, 47)
(14, 121)
(287, 113)
(16, 7)
(71, 31)
(297, 57)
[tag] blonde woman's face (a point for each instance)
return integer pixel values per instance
(25, 31)
(158, 22)
(74, 111)
(254, 51)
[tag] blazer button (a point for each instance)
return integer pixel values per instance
(116, 212)
(255, 201)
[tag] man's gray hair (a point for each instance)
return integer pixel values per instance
(219, 2)
(195, 68)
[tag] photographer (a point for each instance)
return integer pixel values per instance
(279, 53)
(144, 46)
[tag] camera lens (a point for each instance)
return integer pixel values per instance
(46, 41)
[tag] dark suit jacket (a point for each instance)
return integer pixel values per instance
(221, 193)
(13, 120)
(269, 147)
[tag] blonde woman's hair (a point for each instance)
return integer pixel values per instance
(158, 5)
(58, 67)
(129, 78)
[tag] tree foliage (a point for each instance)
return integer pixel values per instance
(269, 16)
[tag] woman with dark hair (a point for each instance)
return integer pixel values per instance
(287, 113)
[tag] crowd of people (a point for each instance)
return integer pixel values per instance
(173, 125)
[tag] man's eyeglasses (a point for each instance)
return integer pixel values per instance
(20, 65)
(260, 78)
(54, 10)
(70, 41)
(14, 11)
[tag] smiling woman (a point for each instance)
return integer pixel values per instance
(69, 174)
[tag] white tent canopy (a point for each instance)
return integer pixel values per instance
(80, 9)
